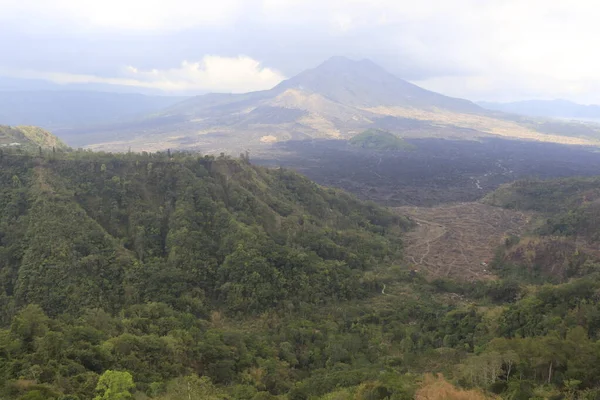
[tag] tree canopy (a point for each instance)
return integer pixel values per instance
(179, 276)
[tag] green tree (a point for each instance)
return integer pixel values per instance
(16, 182)
(114, 385)
(31, 322)
(192, 388)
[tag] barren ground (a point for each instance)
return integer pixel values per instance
(435, 171)
(454, 241)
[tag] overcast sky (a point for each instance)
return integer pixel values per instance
(477, 49)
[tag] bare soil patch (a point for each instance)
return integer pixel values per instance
(458, 241)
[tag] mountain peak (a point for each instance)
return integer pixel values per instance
(341, 64)
(342, 61)
(365, 84)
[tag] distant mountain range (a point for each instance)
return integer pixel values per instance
(547, 109)
(336, 100)
(54, 109)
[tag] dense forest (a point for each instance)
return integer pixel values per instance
(178, 276)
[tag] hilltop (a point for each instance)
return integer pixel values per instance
(29, 137)
(374, 139)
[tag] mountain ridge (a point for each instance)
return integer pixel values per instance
(557, 108)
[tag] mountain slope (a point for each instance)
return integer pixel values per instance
(365, 84)
(564, 241)
(338, 99)
(28, 137)
(87, 225)
(177, 241)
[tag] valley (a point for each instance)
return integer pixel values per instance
(430, 171)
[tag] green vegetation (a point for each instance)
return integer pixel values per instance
(563, 241)
(114, 385)
(547, 196)
(376, 139)
(176, 276)
(28, 138)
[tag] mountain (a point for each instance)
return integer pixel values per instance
(366, 84)
(547, 108)
(336, 100)
(54, 109)
(201, 224)
(339, 80)
(29, 138)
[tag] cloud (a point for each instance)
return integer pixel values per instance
(478, 49)
(212, 74)
(470, 48)
(523, 49)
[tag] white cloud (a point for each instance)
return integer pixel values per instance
(525, 49)
(512, 48)
(213, 74)
(468, 48)
(342, 22)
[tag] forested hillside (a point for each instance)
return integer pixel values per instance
(192, 235)
(178, 276)
(564, 239)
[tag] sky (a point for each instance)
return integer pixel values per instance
(494, 50)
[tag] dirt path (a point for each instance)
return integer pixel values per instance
(454, 241)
